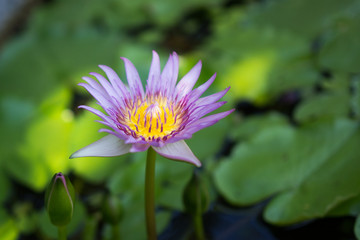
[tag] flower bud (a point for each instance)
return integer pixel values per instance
(196, 196)
(59, 200)
(112, 209)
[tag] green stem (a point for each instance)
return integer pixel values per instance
(199, 228)
(115, 232)
(150, 194)
(62, 233)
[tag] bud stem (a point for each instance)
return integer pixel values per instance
(150, 194)
(199, 228)
(115, 232)
(62, 233)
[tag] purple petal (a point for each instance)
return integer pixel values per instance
(117, 133)
(107, 146)
(104, 101)
(133, 78)
(178, 151)
(205, 109)
(206, 122)
(212, 98)
(187, 83)
(111, 125)
(154, 74)
(115, 81)
(106, 84)
(95, 84)
(139, 147)
(169, 74)
(96, 112)
(196, 93)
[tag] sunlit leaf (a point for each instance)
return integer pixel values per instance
(9, 230)
(44, 149)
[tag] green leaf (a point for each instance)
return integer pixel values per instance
(260, 62)
(340, 50)
(332, 183)
(22, 80)
(4, 186)
(44, 149)
(355, 98)
(9, 230)
(336, 94)
(301, 17)
(314, 108)
(254, 125)
(301, 165)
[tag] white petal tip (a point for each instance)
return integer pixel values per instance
(107, 146)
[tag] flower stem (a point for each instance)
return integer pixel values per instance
(150, 194)
(199, 228)
(62, 233)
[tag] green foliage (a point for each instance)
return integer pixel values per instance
(304, 18)
(301, 154)
(8, 230)
(259, 62)
(196, 197)
(301, 166)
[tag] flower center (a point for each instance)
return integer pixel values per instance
(152, 119)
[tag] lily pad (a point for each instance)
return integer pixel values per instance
(260, 62)
(340, 50)
(304, 18)
(295, 165)
(9, 230)
(44, 150)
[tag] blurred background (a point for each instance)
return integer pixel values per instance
(285, 165)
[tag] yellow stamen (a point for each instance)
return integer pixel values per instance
(152, 118)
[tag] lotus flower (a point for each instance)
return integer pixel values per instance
(160, 117)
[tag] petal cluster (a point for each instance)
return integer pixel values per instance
(160, 117)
